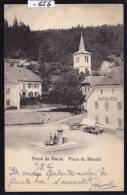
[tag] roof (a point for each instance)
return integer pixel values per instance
(82, 49)
(11, 60)
(81, 45)
(92, 80)
(115, 78)
(82, 52)
(20, 74)
(9, 78)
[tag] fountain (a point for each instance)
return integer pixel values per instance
(57, 142)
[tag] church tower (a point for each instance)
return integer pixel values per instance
(82, 58)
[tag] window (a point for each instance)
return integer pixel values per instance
(87, 59)
(113, 91)
(36, 85)
(96, 119)
(96, 104)
(7, 90)
(30, 85)
(120, 122)
(36, 94)
(101, 91)
(88, 88)
(107, 120)
(8, 102)
(106, 106)
(24, 94)
(30, 94)
(119, 105)
(85, 89)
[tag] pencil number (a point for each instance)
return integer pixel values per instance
(45, 3)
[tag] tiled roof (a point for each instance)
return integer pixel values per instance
(20, 74)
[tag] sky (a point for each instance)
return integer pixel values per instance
(66, 15)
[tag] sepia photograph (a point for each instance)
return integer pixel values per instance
(64, 97)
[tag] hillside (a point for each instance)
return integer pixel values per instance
(54, 48)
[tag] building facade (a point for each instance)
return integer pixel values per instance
(105, 103)
(105, 106)
(20, 82)
(87, 85)
(30, 88)
(12, 95)
(82, 58)
(89, 82)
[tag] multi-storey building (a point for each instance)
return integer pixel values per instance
(20, 82)
(105, 102)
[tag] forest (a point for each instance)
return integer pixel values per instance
(53, 48)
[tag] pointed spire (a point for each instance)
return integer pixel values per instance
(81, 45)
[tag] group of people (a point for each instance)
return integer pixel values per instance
(54, 138)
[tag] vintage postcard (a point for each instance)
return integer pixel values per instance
(64, 97)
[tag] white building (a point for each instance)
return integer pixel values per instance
(11, 92)
(20, 82)
(87, 85)
(89, 82)
(105, 102)
(82, 58)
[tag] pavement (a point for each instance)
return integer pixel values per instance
(37, 116)
(106, 147)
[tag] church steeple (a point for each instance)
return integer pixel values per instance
(81, 45)
(82, 58)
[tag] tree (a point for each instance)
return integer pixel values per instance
(67, 91)
(55, 45)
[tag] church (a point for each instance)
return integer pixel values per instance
(82, 58)
(103, 95)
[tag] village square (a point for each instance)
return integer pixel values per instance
(63, 99)
(102, 105)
